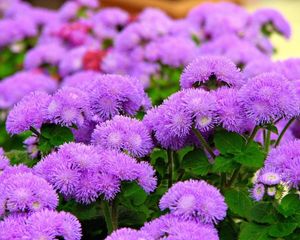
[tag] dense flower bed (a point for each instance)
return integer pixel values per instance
(145, 127)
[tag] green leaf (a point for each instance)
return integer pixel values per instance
(228, 142)
(252, 156)
(282, 229)
(196, 162)
(251, 231)
(264, 213)
(271, 127)
(44, 145)
(239, 202)
(224, 164)
(289, 205)
(133, 192)
(20, 156)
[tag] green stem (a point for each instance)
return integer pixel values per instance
(107, 216)
(223, 181)
(170, 167)
(204, 143)
(234, 176)
(284, 130)
(252, 136)
(114, 214)
(268, 141)
(36, 132)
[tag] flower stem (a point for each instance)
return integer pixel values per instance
(223, 181)
(284, 130)
(234, 176)
(114, 214)
(33, 130)
(170, 167)
(107, 216)
(204, 143)
(252, 136)
(268, 141)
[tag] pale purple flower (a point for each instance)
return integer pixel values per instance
(128, 234)
(27, 193)
(49, 54)
(272, 20)
(269, 177)
(82, 80)
(114, 95)
(178, 229)
(257, 67)
(31, 145)
(124, 133)
(289, 68)
(230, 113)
(29, 112)
(48, 224)
(211, 72)
(195, 200)
(68, 106)
(258, 192)
(269, 96)
(13, 228)
(15, 87)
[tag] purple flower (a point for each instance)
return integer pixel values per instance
(48, 224)
(15, 87)
(82, 80)
(124, 133)
(269, 177)
(194, 200)
(4, 161)
(257, 67)
(271, 20)
(172, 51)
(44, 54)
(83, 133)
(175, 228)
(83, 172)
(29, 112)
(27, 193)
(13, 228)
(108, 22)
(172, 121)
(68, 106)
(230, 113)
(289, 68)
(217, 19)
(210, 70)
(268, 97)
(114, 94)
(258, 192)
(128, 234)
(31, 145)
(70, 169)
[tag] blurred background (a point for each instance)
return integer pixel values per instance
(179, 8)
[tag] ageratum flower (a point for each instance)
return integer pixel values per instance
(84, 132)
(284, 161)
(172, 121)
(215, 20)
(174, 51)
(4, 161)
(48, 224)
(82, 80)
(29, 112)
(83, 172)
(269, 96)
(108, 22)
(230, 113)
(270, 20)
(68, 106)
(13, 227)
(15, 87)
(128, 234)
(211, 72)
(124, 133)
(195, 200)
(258, 192)
(176, 228)
(27, 193)
(50, 53)
(115, 95)
(289, 68)
(257, 67)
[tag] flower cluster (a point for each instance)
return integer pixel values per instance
(84, 172)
